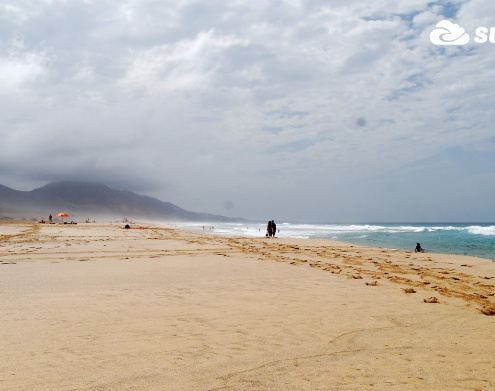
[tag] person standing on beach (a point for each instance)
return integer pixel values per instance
(274, 228)
(269, 229)
(50, 217)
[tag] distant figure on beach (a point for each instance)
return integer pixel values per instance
(50, 218)
(418, 248)
(269, 229)
(274, 228)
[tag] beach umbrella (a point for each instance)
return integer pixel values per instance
(63, 215)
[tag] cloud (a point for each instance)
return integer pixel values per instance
(20, 66)
(279, 108)
(448, 33)
(186, 64)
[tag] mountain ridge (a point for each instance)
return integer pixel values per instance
(80, 198)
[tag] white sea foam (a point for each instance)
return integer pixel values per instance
(334, 231)
(478, 230)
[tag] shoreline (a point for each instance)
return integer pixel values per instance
(356, 242)
(468, 240)
(96, 306)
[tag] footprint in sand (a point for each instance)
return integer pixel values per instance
(431, 300)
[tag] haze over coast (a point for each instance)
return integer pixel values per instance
(96, 200)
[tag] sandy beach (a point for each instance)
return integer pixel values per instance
(99, 307)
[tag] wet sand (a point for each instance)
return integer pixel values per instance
(99, 307)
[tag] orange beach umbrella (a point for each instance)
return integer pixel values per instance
(63, 215)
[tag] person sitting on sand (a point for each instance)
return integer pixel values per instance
(418, 248)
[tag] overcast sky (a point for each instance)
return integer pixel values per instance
(286, 110)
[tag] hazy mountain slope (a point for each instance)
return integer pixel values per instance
(87, 198)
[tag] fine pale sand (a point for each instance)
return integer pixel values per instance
(99, 307)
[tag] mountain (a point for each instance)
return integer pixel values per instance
(91, 200)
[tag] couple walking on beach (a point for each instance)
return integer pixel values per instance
(271, 228)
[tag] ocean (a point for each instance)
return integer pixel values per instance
(473, 239)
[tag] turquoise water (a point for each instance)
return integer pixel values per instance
(473, 239)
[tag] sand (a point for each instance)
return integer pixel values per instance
(99, 307)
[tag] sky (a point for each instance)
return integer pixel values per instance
(309, 111)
